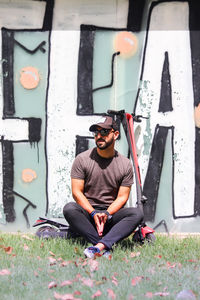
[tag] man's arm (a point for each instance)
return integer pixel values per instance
(78, 195)
(120, 201)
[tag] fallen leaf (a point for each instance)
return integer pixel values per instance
(93, 264)
(97, 294)
(8, 250)
(192, 260)
(158, 256)
(5, 272)
(64, 297)
(125, 259)
(149, 295)
(77, 293)
(65, 263)
(99, 282)
(36, 274)
(162, 294)
(114, 280)
(170, 266)
(52, 284)
(52, 260)
(26, 248)
(66, 282)
(51, 253)
(134, 254)
(87, 281)
(136, 280)
(59, 259)
(111, 294)
(27, 237)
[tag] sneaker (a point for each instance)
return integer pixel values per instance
(91, 251)
(107, 254)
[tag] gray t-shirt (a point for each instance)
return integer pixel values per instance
(102, 176)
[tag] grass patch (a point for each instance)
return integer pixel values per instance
(57, 269)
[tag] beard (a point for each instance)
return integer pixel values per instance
(102, 144)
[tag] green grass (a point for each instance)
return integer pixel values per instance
(158, 270)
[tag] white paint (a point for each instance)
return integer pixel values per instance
(21, 14)
(68, 15)
(63, 123)
(177, 44)
(10, 129)
(15, 15)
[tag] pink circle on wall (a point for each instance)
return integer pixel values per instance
(197, 116)
(126, 43)
(29, 78)
(28, 175)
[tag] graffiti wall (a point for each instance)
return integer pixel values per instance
(63, 65)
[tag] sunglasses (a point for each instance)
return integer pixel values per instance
(103, 132)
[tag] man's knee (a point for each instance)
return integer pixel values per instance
(137, 213)
(69, 209)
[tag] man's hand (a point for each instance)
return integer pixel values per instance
(100, 220)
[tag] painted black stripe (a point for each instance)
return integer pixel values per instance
(194, 26)
(8, 177)
(135, 15)
(165, 104)
(152, 180)
(85, 71)
(48, 17)
(82, 144)
(7, 67)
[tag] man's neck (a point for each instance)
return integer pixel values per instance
(106, 153)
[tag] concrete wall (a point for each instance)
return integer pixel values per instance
(61, 71)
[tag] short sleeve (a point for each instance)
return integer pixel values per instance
(77, 170)
(128, 176)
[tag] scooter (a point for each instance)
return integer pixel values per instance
(50, 228)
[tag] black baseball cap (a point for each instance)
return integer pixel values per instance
(106, 123)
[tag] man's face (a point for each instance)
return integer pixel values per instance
(104, 138)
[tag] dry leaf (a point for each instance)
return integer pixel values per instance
(170, 266)
(27, 237)
(111, 294)
(36, 274)
(87, 281)
(66, 282)
(136, 280)
(63, 297)
(26, 247)
(93, 265)
(52, 260)
(97, 294)
(149, 295)
(52, 284)
(114, 280)
(158, 256)
(77, 293)
(4, 272)
(51, 253)
(125, 259)
(162, 294)
(8, 250)
(134, 254)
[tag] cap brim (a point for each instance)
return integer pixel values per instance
(102, 125)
